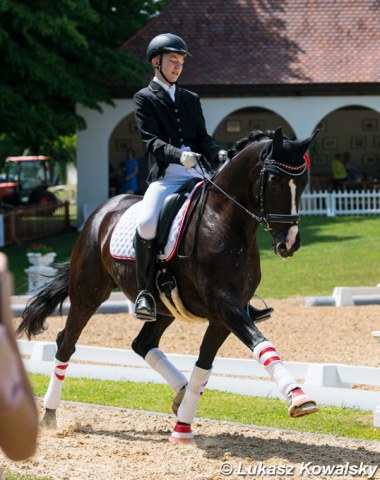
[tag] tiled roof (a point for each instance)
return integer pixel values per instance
(268, 42)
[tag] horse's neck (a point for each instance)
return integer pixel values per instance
(240, 176)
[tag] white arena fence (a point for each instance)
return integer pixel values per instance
(363, 202)
(328, 384)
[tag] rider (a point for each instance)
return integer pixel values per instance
(172, 126)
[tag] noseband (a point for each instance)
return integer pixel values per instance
(273, 166)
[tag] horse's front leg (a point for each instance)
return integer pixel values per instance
(237, 320)
(214, 337)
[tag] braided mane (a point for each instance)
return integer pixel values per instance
(254, 136)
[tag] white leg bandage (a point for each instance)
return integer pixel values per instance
(52, 398)
(160, 363)
(194, 391)
(267, 356)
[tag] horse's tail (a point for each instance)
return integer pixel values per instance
(44, 303)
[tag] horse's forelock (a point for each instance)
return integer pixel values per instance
(291, 153)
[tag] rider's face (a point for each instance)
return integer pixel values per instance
(172, 64)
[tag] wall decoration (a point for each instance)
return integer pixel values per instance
(233, 126)
(358, 142)
(256, 125)
(376, 142)
(330, 142)
(122, 144)
(369, 124)
(370, 158)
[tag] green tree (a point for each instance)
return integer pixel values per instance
(56, 55)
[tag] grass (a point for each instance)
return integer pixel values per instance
(9, 475)
(267, 412)
(339, 251)
(18, 261)
(335, 252)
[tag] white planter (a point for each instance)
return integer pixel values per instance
(37, 259)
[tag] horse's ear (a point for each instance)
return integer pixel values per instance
(305, 144)
(277, 142)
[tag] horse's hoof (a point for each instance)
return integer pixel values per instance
(50, 419)
(178, 399)
(300, 404)
(182, 433)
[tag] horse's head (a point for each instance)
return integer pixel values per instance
(283, 178)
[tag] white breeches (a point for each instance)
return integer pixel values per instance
(175, 177)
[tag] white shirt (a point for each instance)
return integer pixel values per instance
(170, 89)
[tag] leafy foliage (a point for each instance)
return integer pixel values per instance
(56, 55)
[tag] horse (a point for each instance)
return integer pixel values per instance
(216, 274)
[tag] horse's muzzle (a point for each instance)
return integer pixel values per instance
(287, 242)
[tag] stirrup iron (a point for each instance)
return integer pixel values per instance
(147, 310)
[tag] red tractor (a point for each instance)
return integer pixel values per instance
(26, 181)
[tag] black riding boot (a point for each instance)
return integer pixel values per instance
(145, 305)
(260, 314)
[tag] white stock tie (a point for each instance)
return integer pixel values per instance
(171, 92)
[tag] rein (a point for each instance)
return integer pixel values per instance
(269, 166)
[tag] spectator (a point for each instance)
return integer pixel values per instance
(339, 171)
(130, 169)
(351, 168)
(18, 413)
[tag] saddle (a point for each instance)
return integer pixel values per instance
(169, 210)
(171, 224)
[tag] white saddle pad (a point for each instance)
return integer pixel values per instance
(121, 245)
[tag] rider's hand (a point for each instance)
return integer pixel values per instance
(222, 155)
(189, 159)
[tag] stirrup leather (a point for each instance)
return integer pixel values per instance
(145, 307)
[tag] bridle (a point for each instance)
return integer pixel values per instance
(269, 166)
(273, 166)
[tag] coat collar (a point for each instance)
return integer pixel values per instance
(161, 93)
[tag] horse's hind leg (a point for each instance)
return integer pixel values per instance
(146, 345)
(83, 306)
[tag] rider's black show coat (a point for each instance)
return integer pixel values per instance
(165, 126)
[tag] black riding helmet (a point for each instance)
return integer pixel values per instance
(166, 42)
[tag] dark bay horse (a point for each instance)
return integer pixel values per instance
(261, 183)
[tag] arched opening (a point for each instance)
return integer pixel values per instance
(241, 122)
(125, 136)
(353, 132)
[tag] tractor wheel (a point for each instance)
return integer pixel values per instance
(46, 199)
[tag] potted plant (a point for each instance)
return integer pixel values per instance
(40, 254)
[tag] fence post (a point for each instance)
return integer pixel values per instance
(324, 376)
(376, 417)
(330, 203)
(67, 217)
